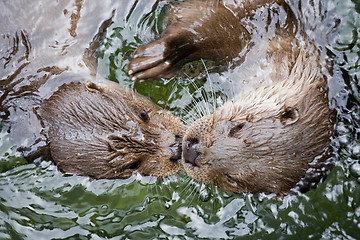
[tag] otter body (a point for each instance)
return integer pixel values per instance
(54, 107)
(262, 141)
(265, 139)
(107, 131)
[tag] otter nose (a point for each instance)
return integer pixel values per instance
(176, 149)
(191, 151)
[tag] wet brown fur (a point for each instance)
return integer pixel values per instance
(263, 140)
(110, 132)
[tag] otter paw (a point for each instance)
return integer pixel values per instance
(149, 62)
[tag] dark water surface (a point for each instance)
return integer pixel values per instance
(42, 43)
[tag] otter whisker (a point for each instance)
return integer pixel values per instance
(150, 185)
(188, 187)
(187, 118)
(190, 116)
(187, 114)
(157, 188)
(211, 85)
(173, 85)
(200, 111)
(201, 188)
(194, 187)
(204, 110)
(215, 191)
(190, 198)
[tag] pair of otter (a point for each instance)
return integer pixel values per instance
(261, 141)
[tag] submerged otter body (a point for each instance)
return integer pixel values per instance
(265, 139)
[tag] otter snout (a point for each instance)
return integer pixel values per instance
(191, 151)
(176, 149)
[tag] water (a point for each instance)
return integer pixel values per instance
(37, 203)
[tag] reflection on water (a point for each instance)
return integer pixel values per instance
(42, 43)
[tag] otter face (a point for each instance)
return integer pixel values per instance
(261, 142)
(110, 132)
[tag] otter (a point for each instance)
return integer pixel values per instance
(108, 131)
(267, 138)
(54, 107)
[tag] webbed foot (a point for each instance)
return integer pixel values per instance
(150, 62)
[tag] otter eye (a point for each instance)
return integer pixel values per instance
(141, 113)
(236, 129)
(289, 116)
(144, 116)
(135, 166)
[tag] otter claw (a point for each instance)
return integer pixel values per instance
(151, 73)
(149, 62)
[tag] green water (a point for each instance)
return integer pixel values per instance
(38, 203)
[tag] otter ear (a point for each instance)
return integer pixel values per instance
(289, 116)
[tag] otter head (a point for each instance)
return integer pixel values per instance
(262, 141)
(110, 132)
